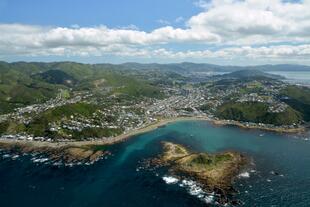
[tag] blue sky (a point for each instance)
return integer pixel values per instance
(117, 13)
(235, 32)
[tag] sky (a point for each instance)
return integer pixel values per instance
(225, 32)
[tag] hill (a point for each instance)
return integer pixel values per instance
(56, 77)
(298, 98)
(18, 88)
(23, 83)
(71, 121)
(258, 113)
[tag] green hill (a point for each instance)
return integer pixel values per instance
(56, 77)
(299, 99)
(18, 88)
(41, 123)
(23, 83)
(258, 113)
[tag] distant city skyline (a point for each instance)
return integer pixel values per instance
(224, 32)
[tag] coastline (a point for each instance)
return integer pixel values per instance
(153, 126)
(298, 130)
(105, 141)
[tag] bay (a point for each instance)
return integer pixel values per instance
(280, 175)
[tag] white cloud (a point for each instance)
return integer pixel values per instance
(16, 35)
(75, 26)
(202, 4)
(163, 22)
(130, 27)
(273, 52)
(241, 28)
(179, 19)
(255, 21)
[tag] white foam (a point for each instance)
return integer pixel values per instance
(209, 199)
(6, 156)
(192, 187)
(15, 157)
(170, 180)
(57, 163)
(69, 164)
(188, 182)
(40, 160)
(195, 190)
(244, 175)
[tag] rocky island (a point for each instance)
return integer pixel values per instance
(215, 172)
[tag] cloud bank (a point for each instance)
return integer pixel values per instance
(249, 29)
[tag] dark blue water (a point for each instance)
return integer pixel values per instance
(120, 180)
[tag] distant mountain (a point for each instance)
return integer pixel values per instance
(181, 68)
(250, 74)
(184, 67)
(187, 67)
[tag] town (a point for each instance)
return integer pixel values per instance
(115, 116)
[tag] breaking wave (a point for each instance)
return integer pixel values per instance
(192, 187)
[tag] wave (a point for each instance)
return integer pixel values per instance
(192, 187)
(244, 175)
(40, 160)
(6, 156)
(170, 180)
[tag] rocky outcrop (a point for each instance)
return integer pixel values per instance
(65, 154)
(215, 172)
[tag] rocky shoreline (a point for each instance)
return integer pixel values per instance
(63, 154)
(80, 150)
(297, 130)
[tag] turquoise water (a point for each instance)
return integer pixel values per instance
(280, 175)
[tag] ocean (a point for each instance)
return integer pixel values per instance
(279, 175)
(295, 77)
